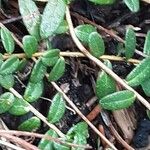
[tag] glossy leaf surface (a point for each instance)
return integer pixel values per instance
(96, 44)
(146, 87)
(118, 100)
(133, 5)
(57, 109)
(52, 17)
(147, 44)
(7, 40)
(30, 125)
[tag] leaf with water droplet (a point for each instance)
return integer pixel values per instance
(130, 43)
(7, 40)
(33, 91)
(54, 11)
(30, 125)
(50, 57)
(30, 45)
(31, 17)
(57, 109)
(118, 100)
(19, 107)
(83, 32)
(58, 70)
(38, 71)
(6, 101)
(140, 73)
(9, 66)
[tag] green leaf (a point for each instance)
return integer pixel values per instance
(19, 108)
(33, 91)
(140, 73)
(118, 100)
(6, 101)
(105, 85)
(58, 70)
(9, 66)
(103, 2)
(30, 45)
(7, 81)
(63, 27)
(147, 44)
(79, 128)
(96, 44)
(30, 125)
(7, 40)
(79, 139)
(31, 16)
(58, 146)
(83, 32)
(146, 87)
(50, 57)
(38, 71)
(57, 109)
(130, 43)
(52, 17)
(133, 5)
(47, 144)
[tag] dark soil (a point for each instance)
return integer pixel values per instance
(81, 73)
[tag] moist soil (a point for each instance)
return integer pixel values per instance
(80, 74)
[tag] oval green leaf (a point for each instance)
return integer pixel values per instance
(30, 45)
(38, 71)
(7, 40)
(118, 100)
(146, 87)
(52, 17)
(6, 101)
(46, 144)
(50, 57)
(140, 73)
(103, 2)
(147, 44)
(30, 125)
(79, 128)
(96, 44)
(105, 85)
(58, 70)
(33, 91)
(9, 66)
(83, 32)
(57, 109)
(63, 28)
(79, 139)
(7, 81)
(19, 107)
(133, 5)
(130, 43)
(31, 16)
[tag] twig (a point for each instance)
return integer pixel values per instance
(12, 146)
(19, 141)
(100, 64)
(47, 137)
(119, 138)
(38, 114)
(82, 116)
(109, 32)
(76, 54)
